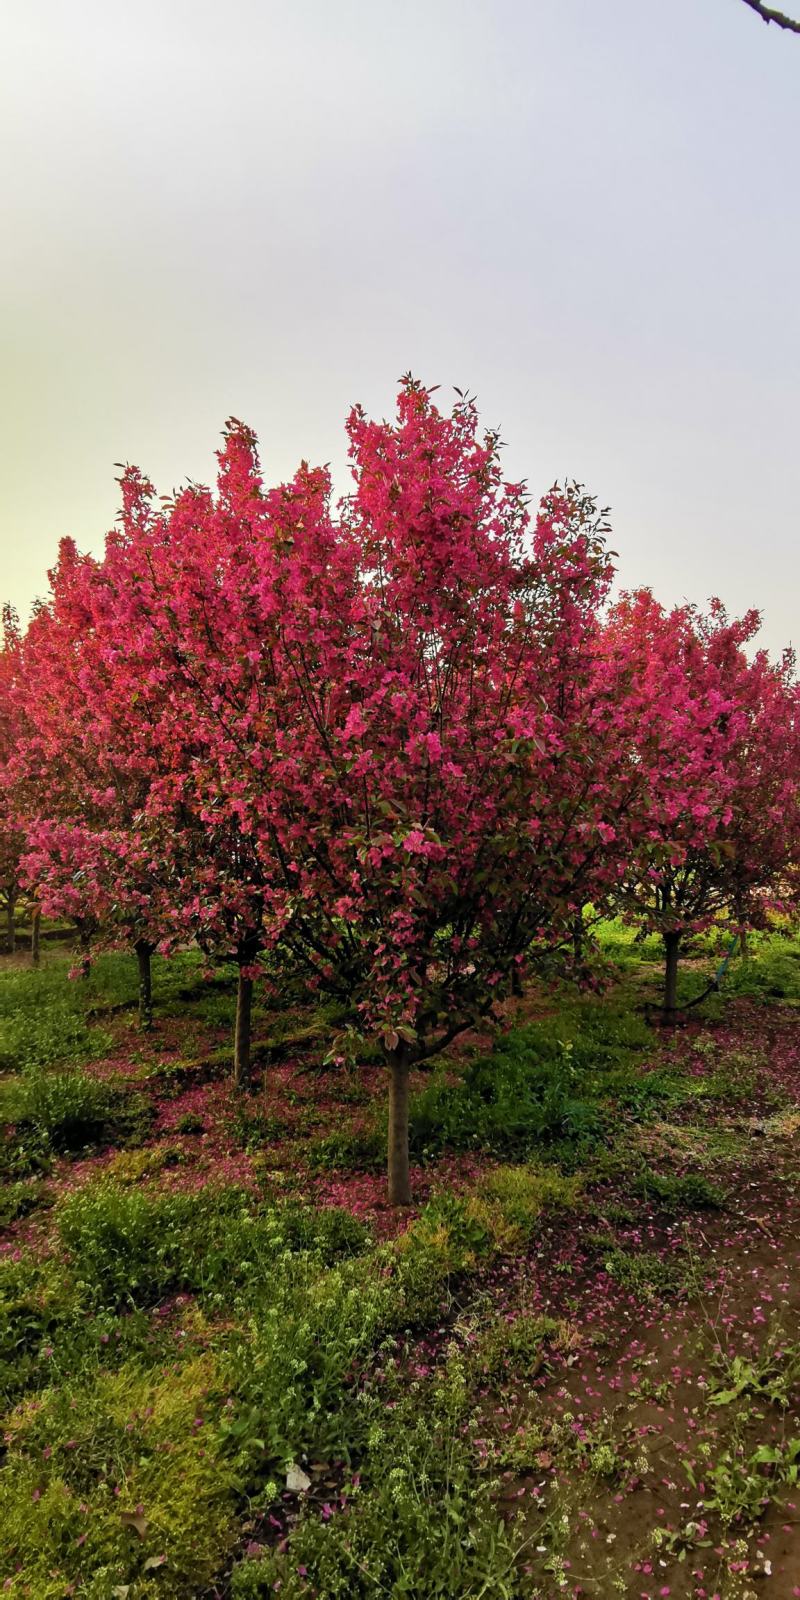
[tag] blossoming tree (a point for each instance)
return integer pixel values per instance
(86, 849)
(391, 704)
(11, 836)
(714, 735)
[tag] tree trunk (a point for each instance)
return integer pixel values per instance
(399, 1182)
(143, 954)
(517, 989)
(36, 926)
(577, 938)
(672, 948)
(241, 1043)
(11, 926)
(743, 945)
(85, 940)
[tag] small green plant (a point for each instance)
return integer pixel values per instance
(69, 1110)
(362, 1150)
(524, 1192)
(742, 1485)
(604, 1461)
(133, 1166)
(690, 1192)
(643, 1272)
(774, 1374)
(518, 1347)
(457, 1225)
(190, 1123)
(523, 1450)
(19, 1200)
(252, 1129)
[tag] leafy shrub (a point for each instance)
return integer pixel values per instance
(519, 1346)
(360, 1151)
(311, 1332)
(290, 1369)
(19, 1200)
(691, 1192)
(190, 1123)
(643, 1272)
(251, 1129)
(507, 1103)
(34, 1038)
(543, 1084)
(772, 971)
(26, 1317)
(129, 1245)
(68, 1110)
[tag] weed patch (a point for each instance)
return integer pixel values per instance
(69, 1110)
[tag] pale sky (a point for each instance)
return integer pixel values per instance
(585, 211)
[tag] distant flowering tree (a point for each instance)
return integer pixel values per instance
(714, 736)
(761, 839)
(86, 852)
(12, 839)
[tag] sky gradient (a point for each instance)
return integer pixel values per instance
(586, 214)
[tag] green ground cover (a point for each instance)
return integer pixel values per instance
(226, 1369)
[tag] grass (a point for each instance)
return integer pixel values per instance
(211, 1388)
(64, 1111)
(310, 1302)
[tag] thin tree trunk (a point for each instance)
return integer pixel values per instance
(743, 945)
(577, 937)
(399, 1181)
(241, 1043)
(11, 926)
(517, 988)
(36, 927)
(143, 954)
(85, 940)
(672, 949)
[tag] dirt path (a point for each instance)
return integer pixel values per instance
(638, 1477)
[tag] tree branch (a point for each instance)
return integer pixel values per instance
(767, 14)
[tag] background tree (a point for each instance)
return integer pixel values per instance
(86, 851)
(713, 736)
(12, 839)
